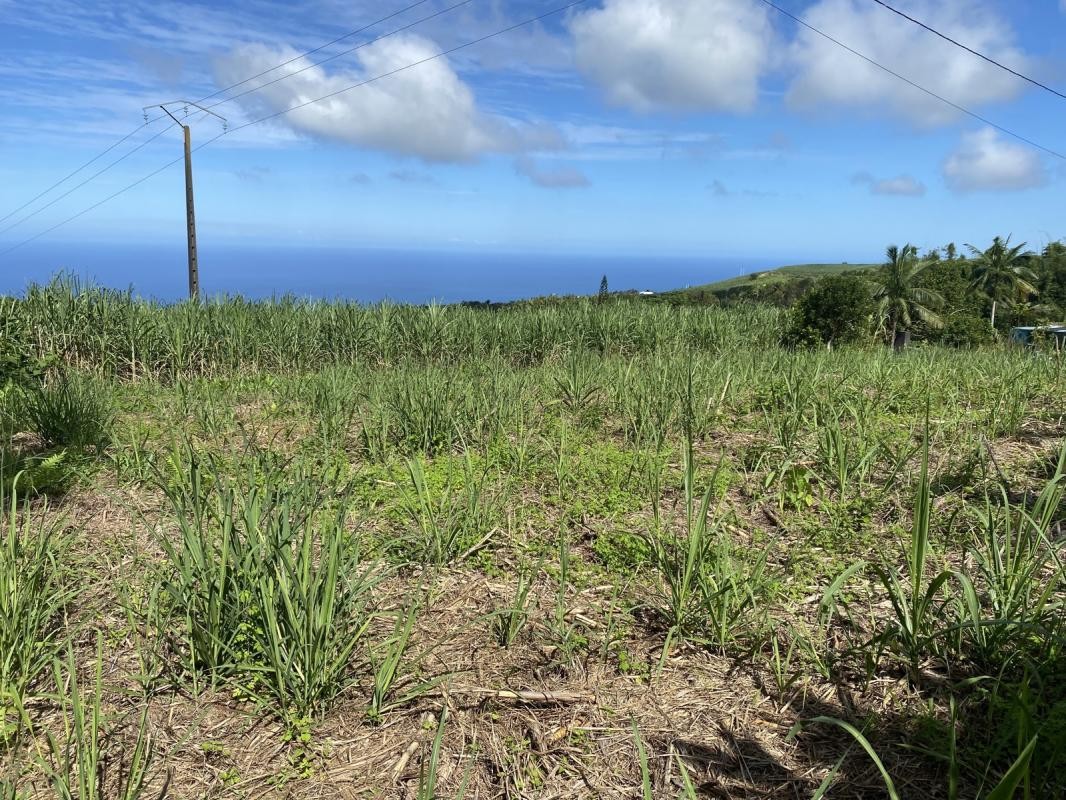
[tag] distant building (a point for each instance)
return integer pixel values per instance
(646, 293)
(1025, 334)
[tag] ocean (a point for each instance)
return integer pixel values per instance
(363, 275)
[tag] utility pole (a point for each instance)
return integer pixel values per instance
(190, 210)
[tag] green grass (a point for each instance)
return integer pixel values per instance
(774, 275)
(317, 517)
(34, 593)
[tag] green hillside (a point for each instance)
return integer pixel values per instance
(778, 286)
(778, 274)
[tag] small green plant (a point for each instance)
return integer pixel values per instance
(452, 523)
(646, 790)
(796, 487)
(565, 634)
(430, 767)
(395, 686)
(508, 622)
(84, 764)
(579, 386)
(917, 624)
(846, 461)
(37, 473)
(709, 593)
(781, 661)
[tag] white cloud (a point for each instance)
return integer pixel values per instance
(985, 162)
(901, 185)
(556, 178)
(427, 111)
(829, 75)
(651, 55)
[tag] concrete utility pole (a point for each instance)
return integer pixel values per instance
(190, 210)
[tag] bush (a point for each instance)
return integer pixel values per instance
(836, 310)
(70, 411)
(966, 330)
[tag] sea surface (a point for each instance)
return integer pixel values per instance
(363, 275)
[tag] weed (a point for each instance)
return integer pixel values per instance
(269, 586)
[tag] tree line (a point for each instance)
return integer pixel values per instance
(947, 296)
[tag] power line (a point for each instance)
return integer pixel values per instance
(242, 94)
(441, 54)
(918, 86)
(63, 180)
(148, 122)
(151, 139)
(992, 61)
(484, 38)
(94, 206)
(320, 48)
(92, 177)
(335, 56)
(434, 57)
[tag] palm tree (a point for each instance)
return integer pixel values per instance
(900, 300)
(1023, 311)
(1001, 272)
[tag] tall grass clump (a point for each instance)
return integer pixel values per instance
(267, 587)
(1019, 571)
(450, 518)
(33, 596)
(995, 625)
(71, 410)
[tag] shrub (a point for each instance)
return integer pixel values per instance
(267, 587)
(966, 330)
(836, 310)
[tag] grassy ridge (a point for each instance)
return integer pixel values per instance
(762, 278)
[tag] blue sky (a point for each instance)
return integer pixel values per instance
(688, 127)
